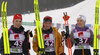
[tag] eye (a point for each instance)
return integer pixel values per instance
(16, 20)
(20, 21)
(45, 23)
(81, 20)
(77, 20)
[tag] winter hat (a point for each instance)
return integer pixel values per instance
(17, 16)
(82, 17)
(47, 18)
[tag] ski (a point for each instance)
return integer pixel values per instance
(67, 33)
(39, 29)
(5, 27)
(96, 30)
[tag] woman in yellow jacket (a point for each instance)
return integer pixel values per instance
(52, 38)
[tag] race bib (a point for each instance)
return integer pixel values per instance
(16, 42)
(49, 42)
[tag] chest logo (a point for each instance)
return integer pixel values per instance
(46, 36)
(80, 34)
(16, 36)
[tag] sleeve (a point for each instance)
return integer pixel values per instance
(91, 38)
(24, 47)
(72, 39)
(35, 43)
(60, 43)
(1, 45)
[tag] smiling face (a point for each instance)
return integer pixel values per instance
(47, 25)
(80, 23)
(17, 23)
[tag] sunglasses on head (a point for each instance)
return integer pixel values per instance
(47, 18)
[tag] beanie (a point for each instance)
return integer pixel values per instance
(82, 17)
(47, 18)
(17, 16)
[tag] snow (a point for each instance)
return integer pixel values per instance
(87, 7)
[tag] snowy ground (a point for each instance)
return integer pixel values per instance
(87, 7)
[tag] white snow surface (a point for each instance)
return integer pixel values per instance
(86, 7)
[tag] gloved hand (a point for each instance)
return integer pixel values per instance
(62, 54)
(31, 34)
(26, 33)
(66, 36)
(41, 51)
(63, 33)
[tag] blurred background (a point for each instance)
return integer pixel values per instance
(26, 6)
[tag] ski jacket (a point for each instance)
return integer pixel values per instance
(57, 43)
(20, 39)
(82, 38)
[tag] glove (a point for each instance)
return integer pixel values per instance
(66, 36)
(26, 33)
(63, 33)
(76, 41)
(41, 51)
(31, 35)
(62, 54)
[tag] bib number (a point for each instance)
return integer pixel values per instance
(83, 40)
(18, 43)
(49, 43)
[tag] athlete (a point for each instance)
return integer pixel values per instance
(51, 36)
(82, 37)
(17, 38)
